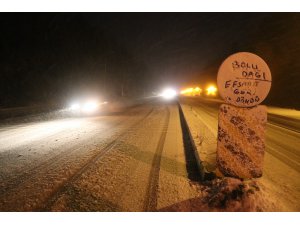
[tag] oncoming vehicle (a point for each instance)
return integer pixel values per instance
(86, 107)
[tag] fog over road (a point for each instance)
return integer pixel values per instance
(281, 176)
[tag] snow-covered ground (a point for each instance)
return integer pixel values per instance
(134, 160)
(39, 157)
(292, 113)
(279, 186)
(286, 112)
(144, 171)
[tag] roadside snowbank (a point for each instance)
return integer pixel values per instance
(204, 139)
(293, 113)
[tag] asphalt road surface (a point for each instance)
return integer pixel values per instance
(282, 159)
(130, 161)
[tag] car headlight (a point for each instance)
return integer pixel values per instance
(169, 94)
(75, 107)
(90, 106)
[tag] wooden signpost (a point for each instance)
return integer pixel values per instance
(244, 81)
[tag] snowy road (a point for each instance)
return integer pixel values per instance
(137, 160)
(281, 179)
(132, 161)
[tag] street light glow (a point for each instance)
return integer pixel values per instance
(211, 90)
(192, 91)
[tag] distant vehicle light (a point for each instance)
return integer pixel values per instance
(191, 91)
(75, 107)
(211, 90)
(169, 94)
(90, 107)
(187, 91)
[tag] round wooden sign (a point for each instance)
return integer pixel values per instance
(244, 79)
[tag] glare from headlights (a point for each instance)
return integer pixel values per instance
(90, 107)
(169, 94)
(75, 106)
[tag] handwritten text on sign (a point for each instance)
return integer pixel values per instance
(244, 79)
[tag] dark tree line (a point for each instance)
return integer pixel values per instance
(50, 57)
(275, 38)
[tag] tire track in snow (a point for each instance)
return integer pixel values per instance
(14, 183)
(11, 184)
(65, 185)
(150, 204)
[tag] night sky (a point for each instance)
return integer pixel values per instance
(49, 58)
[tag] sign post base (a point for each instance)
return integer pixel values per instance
(241, 141)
